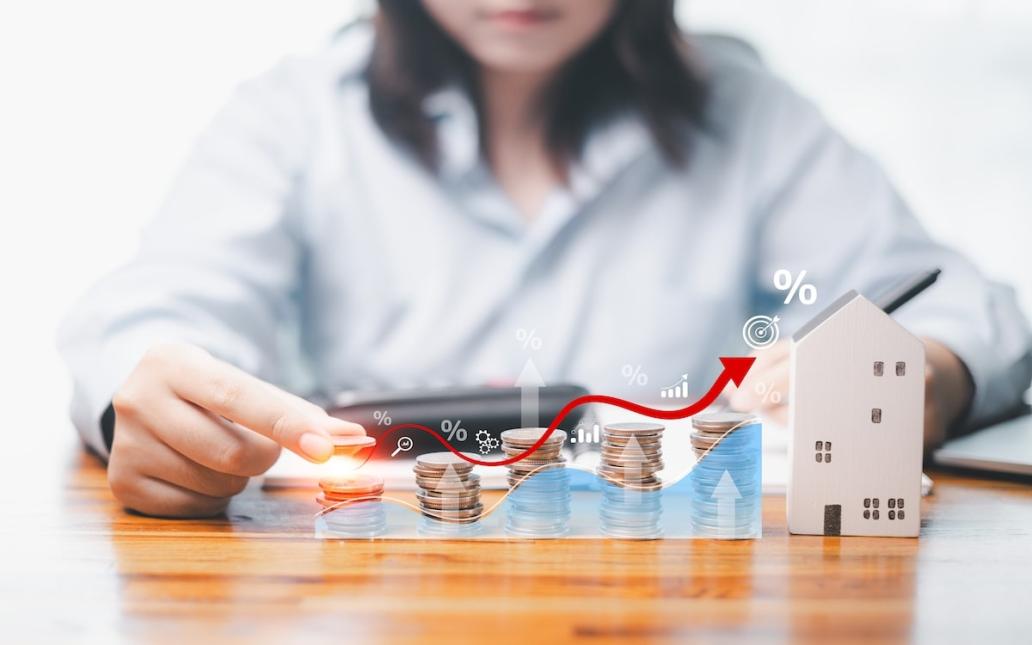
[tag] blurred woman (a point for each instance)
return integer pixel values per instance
(411, 195)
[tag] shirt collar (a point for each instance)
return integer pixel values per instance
(609, 148)
(457, 131)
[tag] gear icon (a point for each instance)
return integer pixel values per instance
(486, 441)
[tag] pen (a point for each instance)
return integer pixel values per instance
(905, 291)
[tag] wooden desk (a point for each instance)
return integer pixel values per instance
(76, 565)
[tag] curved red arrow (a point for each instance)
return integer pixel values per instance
(735, 369)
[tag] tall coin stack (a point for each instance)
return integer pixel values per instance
(539, 504)
(727, 477)
(357, 509)
(631, 506)
(449, 493)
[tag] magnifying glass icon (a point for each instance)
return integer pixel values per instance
(404, 445)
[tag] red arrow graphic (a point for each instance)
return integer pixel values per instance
(735, 369)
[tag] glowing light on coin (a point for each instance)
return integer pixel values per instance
(404, 445)
(760, 332)
(344, 465)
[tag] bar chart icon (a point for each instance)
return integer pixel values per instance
(591, 436)
(678, 390)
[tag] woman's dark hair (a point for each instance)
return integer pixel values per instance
(638, 61)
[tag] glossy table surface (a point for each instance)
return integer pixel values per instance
(76, 566)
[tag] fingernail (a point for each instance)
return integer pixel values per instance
(340, 426)
(316, 446)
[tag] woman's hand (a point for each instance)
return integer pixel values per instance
(770, 374)
(190, 430)
(948, 392)
(948, 388)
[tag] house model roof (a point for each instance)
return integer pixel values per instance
(828, 312)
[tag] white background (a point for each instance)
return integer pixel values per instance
(100, 102)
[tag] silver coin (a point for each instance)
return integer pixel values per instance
(530, 436)
(441, 484)
(441, 461)
(450, 503)
(723, 420)
(435, 494)
(455, 514)
(533, 457)
(649, 485)
(633, 428)
(618, 443)
(637, 458)
(521, 469)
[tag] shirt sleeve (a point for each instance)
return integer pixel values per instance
(827, 208)
(217, 267)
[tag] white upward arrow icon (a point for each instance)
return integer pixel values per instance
(451, 488)
(633, 459)
(529, 382)
(725, 492)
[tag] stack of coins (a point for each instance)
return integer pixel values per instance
(708, 430)
(632, 453)
(357, 509)
(727, 477)
(539, 504)
(547, 457)
(631, 506)
(449, 492)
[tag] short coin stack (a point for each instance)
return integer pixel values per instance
(726, 479)
(449, 492)
(632, 453)
(547, 457)
(708, 430)
(539, 504)
(631, 506)
(355, 503)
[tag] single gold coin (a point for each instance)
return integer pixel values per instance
(328, 500)
(346, 445)
(351, 484)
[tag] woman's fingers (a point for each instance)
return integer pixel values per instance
(162, 499)
(210, 441)
(223, 389)
(190, 430)
(765, 388)
(133, 452)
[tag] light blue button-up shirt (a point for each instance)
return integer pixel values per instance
(295, 212)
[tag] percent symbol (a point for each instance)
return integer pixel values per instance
(768, 393)
(453, 430)
(382, 418)
(783, 281)
(528, 338)
(634, 375)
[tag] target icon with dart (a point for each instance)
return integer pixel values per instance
(760, 332)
